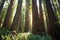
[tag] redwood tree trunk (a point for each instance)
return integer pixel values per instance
(27, 25)
(7, 22)
(17, 19)
(1, 7)
(37, 26)
(41, 17)
(53, 21)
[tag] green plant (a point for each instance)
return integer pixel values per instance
(8, 35)
(39, 37)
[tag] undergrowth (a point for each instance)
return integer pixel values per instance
(12, 35)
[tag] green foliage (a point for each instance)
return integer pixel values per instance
(3, 31)
(8, 35)
(39, 37)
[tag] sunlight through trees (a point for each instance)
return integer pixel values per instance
(31, 18)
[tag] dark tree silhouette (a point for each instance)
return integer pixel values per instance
(53, 27)
(37, 24)
(41, 17)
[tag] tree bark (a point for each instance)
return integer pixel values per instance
(17, 19)
(41, 17)
(37, 29)
(1, 7)
(52, 25)
(27, 24)
(8, 19)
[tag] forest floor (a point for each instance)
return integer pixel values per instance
(13, 35)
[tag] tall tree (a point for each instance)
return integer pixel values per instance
(56, 8)
(37, 28)
(3, 13)
(41, 16)
(27, 25)
(52, 25)
(1, 6)
(17, 19)
(9, 16)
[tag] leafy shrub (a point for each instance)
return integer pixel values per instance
(39, 37)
